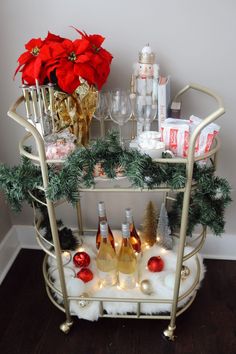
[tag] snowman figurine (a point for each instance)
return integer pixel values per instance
(144, 84)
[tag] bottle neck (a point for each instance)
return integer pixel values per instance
(125, 242)
(130, 219)
(131, 224)
(104, 239)
(102, 218)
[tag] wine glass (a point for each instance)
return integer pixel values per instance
(120, 108)
(102, 110)
(145, 112)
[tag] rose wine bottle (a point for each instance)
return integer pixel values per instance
(102, 217)
(106, 259)
(134, 237)
(127, 262)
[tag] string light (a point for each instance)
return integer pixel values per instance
(81, 249)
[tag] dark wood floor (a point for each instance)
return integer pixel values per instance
(29, 323)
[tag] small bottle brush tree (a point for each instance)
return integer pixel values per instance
(163, 231)
(150, 224)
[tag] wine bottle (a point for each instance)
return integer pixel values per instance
(127, 262)
(102, 217)
(134, 237)
(106, 259)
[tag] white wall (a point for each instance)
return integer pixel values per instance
(194, 42)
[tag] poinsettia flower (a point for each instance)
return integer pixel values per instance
(68, 69)
(30, 62)
(95, 40)
(62, 61)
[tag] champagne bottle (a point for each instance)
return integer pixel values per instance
(106, 259)
(134, 237)
(127, 262)
(102, 217)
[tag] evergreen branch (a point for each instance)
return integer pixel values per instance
(207, 204)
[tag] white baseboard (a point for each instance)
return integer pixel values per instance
(220, 247)
(23, 236)
(26, 236)
(9, 249)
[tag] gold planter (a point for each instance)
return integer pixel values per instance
(75, 111)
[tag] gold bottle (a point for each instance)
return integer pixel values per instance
(127, 262)
(102, 217)
(106, 259)
(134, 237)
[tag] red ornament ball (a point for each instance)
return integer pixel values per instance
(155, 264)
(85, 274)
(81, 259)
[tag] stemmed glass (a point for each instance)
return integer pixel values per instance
(120, 109)
(145, 112)
(102, 110)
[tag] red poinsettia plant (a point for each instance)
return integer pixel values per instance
(64, 62)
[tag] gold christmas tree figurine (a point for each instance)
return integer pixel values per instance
(149, 228)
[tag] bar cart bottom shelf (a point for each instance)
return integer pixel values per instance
(91, 301)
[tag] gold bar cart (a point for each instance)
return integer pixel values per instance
(53, 248)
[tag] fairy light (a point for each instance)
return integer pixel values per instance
(66, 257)
(81, 249)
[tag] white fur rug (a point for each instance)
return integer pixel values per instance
(162, 282)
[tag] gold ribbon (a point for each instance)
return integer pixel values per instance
(76, 111)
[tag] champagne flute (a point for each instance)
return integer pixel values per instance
(102, 110)
(120, 109)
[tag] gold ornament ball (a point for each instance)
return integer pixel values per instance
(185, 272)
(146, 287)
(83, 303)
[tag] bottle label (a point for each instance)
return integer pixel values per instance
(127, 281)
(107, 278)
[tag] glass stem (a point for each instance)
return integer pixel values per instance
(121, 141)
(102, 126)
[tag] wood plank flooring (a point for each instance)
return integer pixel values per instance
(29, 323)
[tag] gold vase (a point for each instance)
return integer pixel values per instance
(75, 111)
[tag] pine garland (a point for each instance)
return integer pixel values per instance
(208, 201)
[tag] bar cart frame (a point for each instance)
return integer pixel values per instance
(40, 159)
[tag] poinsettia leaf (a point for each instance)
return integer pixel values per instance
(80, 45)
(67, 79)
(51, 37)
(37, 67)
(96, 60)
(57, 50)
(96, 40)
(24, 58)
(105, 55)
(82, 33)
(86, 72)
(83, 58)
(34, 42)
